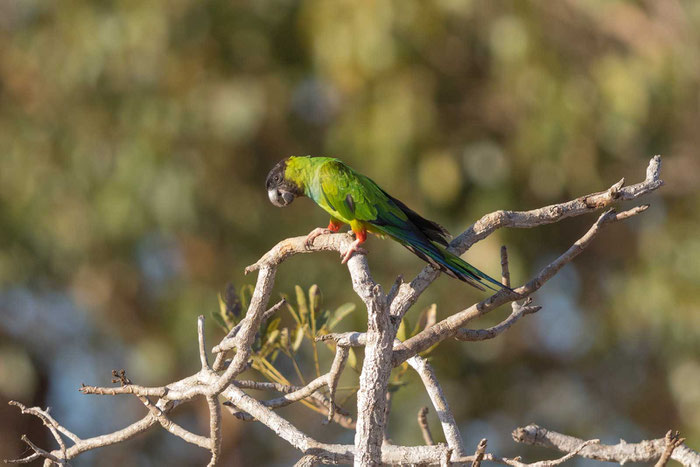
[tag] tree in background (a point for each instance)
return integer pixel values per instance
(136, 137)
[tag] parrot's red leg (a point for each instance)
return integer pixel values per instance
(360, 237)
(333, 226)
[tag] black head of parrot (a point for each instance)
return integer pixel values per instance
(280, 189)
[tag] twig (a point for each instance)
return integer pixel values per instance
(214, 429)
(341, 356)
(295, 393)
(286, 389)
(41, 452)
(202, 344)
(346, 339)
(481, 448)
(624, 452)
(517, 461)
(556, 212)
(565, 458)
(302, 393)
(442, 408)
(308, 460)
(673, 440)
(47, 419)
(395, 288)
(505, 272)
(489, 333)
(424, 427)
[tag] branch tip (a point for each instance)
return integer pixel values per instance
(424, 427)
(479, 454)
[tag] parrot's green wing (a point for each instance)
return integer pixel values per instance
(350, 196)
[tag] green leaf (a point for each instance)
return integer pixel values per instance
(272, 336)
(427, 318)
(341, 312)
(323, 319)
(274, 324)
(301, 304)
(292, 311)
(222, 305)
(298, 338)
(314, 298)
(401, 333)
(284, 338)
(226, 307)
(219, 320)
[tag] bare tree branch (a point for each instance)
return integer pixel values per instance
(341, 416)
(382, 353)
(424, 427)
(374, 379)
(295, 393)
(409, 292)
(341, 356)
(47, 455)
(214, 429)
(489, 333)
(329, 452)
(505, 272)
(673, 440)
(308, 461)
(450, 326)
(437, 397)
(481, 448)
(202, 344)
(645, 451)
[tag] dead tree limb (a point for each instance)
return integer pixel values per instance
(219, 381)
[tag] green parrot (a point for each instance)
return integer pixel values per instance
(351, 198)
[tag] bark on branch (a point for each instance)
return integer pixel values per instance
(645, 451)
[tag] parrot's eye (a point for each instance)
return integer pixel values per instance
(276, 178)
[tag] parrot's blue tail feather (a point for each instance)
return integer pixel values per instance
(441, 259)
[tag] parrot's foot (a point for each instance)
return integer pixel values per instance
(317, 232)
(353, 248)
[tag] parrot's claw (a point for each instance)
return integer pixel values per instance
(317, 232)
(353, 248)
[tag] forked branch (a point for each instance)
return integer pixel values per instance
(220, 380)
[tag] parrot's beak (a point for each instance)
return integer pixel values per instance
(280, 198)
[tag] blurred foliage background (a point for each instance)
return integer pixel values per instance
(135, 138)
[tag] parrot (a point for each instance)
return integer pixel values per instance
(352, 198)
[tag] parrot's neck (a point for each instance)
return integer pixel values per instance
(302, 171)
